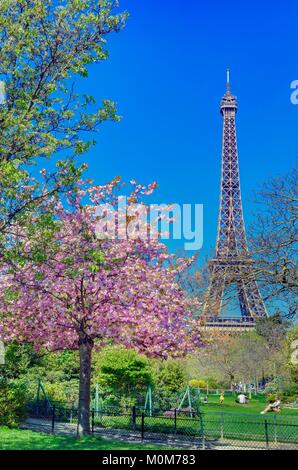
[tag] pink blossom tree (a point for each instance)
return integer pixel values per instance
(65, 287)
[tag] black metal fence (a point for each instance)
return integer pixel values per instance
(211, 430)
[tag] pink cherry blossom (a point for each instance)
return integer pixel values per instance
(81, 292)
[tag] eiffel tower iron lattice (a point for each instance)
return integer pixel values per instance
(232, 264)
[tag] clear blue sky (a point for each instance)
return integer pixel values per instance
(166, 72)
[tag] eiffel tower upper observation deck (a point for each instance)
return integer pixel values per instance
(232, 264)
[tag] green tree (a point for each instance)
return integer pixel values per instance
(44, 46)
(12, 403)
(19, 358)
(121, 371)
(170, 376)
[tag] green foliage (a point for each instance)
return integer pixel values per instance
(121, 372)
(290, 392)
(170, 382)
(126, 404)
(19, 358)
(63, 392)
(62, 365)
(59, 372)
(12, 403)
(212, 383)
(170, 376)
(284, 387)
(44, 45)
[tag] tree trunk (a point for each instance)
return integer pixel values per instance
(85, 351)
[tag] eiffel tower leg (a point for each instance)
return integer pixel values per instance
(243, 299)
(251, 302)
(212, 305)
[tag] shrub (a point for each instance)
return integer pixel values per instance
(290, 392)
(126, 404)
(121, 372)
(64, 392)
(170, 377)
(12, 403)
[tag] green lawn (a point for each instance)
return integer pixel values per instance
(16, 439)
(215, 426)
(255, 406)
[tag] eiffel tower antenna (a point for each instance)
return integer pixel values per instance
(232, 264)
(228, 80)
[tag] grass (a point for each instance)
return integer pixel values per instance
(17, 439)
(255, 406)
(216, 425)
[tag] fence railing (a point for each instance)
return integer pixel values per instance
(208, 430)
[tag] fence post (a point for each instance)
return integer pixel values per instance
(175, 420)
(202, 433)
(275, 429)
(266, 433)
(92, 421)
(134, 418)
(143, 426)
(222, 421)
(53, 418)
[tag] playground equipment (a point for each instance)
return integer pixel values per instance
(45, 401)
(189, 402)
(192, 397)
(40, 389)
(188, 397)
(148, 400)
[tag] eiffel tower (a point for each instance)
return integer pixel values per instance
(232, 264)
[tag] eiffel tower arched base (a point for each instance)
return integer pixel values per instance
(224, 273)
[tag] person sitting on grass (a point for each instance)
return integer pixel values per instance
(222, 398)
(275, 406)
(242, 399)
